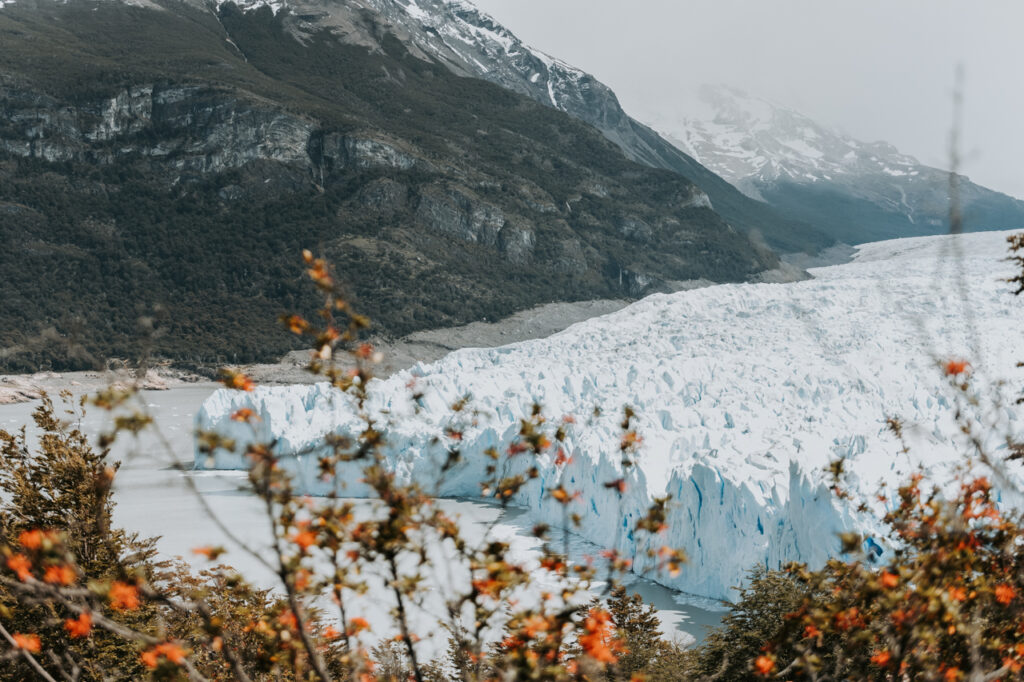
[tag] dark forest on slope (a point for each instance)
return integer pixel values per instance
(151, 168)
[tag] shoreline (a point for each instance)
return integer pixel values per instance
(423, 346)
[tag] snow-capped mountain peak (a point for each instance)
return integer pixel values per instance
(752, 142)
(855, 191)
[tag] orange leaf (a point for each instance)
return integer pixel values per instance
(881, 659)
(31, 539)
(124, 596)
(889, 580)
(763, 665)
(60, 575)
(29, 643)
(79, 627)
(20, 564)
(956, 367)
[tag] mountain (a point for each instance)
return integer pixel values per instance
(856, 191)
(744, 395)
(471, 43)
(163, 163)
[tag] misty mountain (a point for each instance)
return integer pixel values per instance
(854, 190)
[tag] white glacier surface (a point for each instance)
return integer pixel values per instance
(744, 393)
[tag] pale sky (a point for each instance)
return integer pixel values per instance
(875, 69)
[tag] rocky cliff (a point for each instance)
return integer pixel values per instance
(167, 163)
(468, 42)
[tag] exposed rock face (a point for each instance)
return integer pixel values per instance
(226, 142)
(517, 241)
(202, 129)
(465, 40)
(456, 212)
(385, 196)
(635, 229)
(336, 152)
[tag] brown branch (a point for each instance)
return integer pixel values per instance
(282, 574)
(27, 655)
(403, 619)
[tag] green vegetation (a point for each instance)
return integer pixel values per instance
(186, 209)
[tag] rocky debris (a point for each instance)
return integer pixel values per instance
(22, 388)
(18, 390)
(434, 344)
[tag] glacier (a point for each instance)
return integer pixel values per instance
(744, 394)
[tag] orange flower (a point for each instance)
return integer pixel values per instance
(881, 659)
(288, 620)
(20, 564)
(956, 367)
(210, 553)
(535, 624)
(811, 631)
(763, 665)
(330, 632)
(29, 643)
(238, 381)
(889, 580)
(245, 415)
(957, 593)
(60, 575)
(124, 596)
(31, 539)
(598, 642)
(357, 625)
(1005, 594)
(172, 652)
(304, 538)
(79, 627)
(850, 618)
(952, 674)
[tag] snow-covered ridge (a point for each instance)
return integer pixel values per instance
(752, 142)
(746, 393)
(470, 41)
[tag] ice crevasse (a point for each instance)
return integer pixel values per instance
(744, 394)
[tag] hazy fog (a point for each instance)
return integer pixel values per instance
(876, 69)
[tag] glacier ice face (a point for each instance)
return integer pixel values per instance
(744, 393)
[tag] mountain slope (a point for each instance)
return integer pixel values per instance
(170, 160)
(469, 42)
(856, 191)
